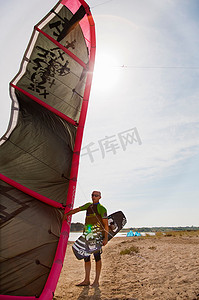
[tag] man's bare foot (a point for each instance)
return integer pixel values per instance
(94, 285)
(84, 283)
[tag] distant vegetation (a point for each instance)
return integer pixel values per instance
(178, 233)
(160, 229)
(80, 226)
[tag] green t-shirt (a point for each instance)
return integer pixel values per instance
(100, 209)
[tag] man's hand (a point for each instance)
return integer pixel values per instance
(71, 212)
(64, 217)
(105, 241)
(105, 224)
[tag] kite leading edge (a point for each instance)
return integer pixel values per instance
(39, 153)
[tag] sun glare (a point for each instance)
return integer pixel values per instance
(106, 72)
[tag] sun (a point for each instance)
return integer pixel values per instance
(106, 72)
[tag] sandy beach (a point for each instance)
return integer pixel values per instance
(165, 267)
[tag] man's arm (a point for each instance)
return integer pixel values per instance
(71, 212)
(105, 223)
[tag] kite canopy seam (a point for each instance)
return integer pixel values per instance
(63, 116)
(63, 48)
(31, 193)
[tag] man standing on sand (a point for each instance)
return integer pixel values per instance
(96, 214)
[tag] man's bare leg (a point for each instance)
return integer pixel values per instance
(97, 273)
(87, 274)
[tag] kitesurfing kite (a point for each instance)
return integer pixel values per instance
(39, 153)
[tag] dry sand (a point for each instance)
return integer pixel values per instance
(164, 268)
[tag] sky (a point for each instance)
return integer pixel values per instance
(141, 139)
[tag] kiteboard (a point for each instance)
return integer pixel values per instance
(91, 241)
